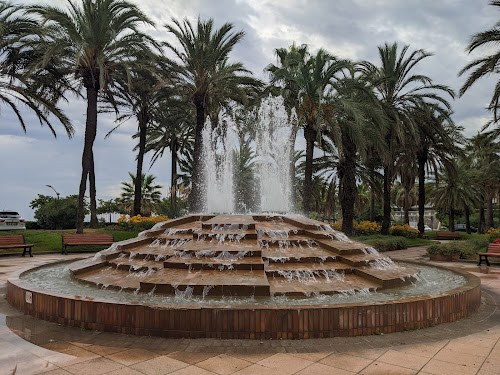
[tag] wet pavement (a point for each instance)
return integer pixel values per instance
(469, 346)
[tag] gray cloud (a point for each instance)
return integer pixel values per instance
(349, 29)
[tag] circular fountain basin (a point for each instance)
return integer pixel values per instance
(238, 289)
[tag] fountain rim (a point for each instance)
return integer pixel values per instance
(472, 281)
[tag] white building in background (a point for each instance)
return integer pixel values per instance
(430, 218)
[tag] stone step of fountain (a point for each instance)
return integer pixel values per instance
(269, 227)
(135, 265)
(215, 263)
(111, 278)
(176, 236)
(225, 236)
(321, 285)
(340, 247)
(157, 253)
(227, 227)
(297, 254)
(297, 240)
(186, 229)
(234, 221)
(208, 248)
(320, 234)
(360, 260)
(389, 277)
(275, 269)
(227, 282)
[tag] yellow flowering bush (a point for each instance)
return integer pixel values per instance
(139, 222)
(404, 231)
(363, 228)
(493, 234)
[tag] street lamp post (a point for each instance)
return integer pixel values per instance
(50, 186)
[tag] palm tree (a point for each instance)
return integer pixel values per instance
(400, 91)
(150, 194)
(315, 79)
(208, 79)
(484, 66)
(355, 127)
(38, 89)
(139, 94)
(98, 39)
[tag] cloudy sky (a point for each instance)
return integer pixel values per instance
(347, 28)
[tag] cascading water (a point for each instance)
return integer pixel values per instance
(273, 149)
(218, 169)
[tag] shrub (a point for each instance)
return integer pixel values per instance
(493, 234)
(387, 243)
(360, 229)
(139, 223)
(404, 231)
(443, 249)
(32, 225)
(467, 249)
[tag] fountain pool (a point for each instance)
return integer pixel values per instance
(242, 276)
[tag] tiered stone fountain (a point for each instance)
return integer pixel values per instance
(238, 255)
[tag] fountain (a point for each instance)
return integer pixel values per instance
(264, 275)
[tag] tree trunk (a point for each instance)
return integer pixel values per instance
(195, 197)
(310, 136)
(173, 176)
(489, 223)
(90, 133)
(422, 160)
(452, 220)
(348, 192)
(94, 223)
(467, 219)
(406, 207)
(143, 124)
(372, 204)
(386, 221)
(481, 220)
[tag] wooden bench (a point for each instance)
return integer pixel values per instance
(492, 251)
(16, 242)
(85, 240)
(447, 236)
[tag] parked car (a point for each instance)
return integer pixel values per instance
(11, 220)
(463, 228)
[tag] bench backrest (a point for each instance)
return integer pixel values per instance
(494, 248)
(87, 238)
(447, 234)
(12, 239)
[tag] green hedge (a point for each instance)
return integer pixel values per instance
(467, 249)
(385, 243)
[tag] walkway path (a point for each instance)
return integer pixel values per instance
(470, 346)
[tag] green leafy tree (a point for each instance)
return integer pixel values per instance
(53, 213)
(97, 38)
(208, 80)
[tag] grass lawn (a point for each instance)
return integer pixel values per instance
(50, 240)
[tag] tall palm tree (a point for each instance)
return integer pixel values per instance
(38, 89)
(97, 38)
(139, 93)
(208, 79)
(400, 91)
(487, 65)
(355, 127)
(150, 194)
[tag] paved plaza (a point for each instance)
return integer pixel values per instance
(470, 346)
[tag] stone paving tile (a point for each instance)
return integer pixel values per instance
(406, 360)
(223, 364)
(58, 371)
(131, 356)
(191, 358)
(256, 369)
(378, 368)
(437, 367)
(95, 366)
(192, 370)
(285, 363)
(320, 369)
(459, 358)
(159, 366)
(346, 362)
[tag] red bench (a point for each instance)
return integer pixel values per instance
(85, 240)
(447, 236)
(16, 242)
(492, 251)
